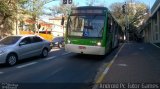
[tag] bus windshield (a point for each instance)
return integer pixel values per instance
(86, 26)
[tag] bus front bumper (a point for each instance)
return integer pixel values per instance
(85, 49)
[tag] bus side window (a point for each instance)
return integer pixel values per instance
(109, 25)
(109, 28)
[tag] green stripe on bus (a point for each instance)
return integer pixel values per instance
(85, 41)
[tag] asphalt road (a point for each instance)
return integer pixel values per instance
(136, 66)
(135, 63)
(60, 70)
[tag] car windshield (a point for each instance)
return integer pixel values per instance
(86, 26)
(9, 40)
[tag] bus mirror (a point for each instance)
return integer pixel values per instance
(62, 21)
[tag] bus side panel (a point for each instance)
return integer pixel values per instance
(105, 35)
(115, 35)
(109, 34)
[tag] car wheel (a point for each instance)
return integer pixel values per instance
(44, 53)
(11, 59)
(60, 45)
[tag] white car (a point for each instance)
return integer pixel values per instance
(14, 48)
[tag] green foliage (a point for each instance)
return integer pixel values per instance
(136, 13)
(91, 2)
(3, 7)
(62, 9)
(8, 13)
(34, 8)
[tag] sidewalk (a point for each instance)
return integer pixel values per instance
(158, 44)
(135, 63)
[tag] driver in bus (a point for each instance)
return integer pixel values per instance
(86, 29)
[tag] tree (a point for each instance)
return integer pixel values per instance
(35, 8)
(8, 11)
(62, 9)
(91, 2)
(136, 12)
(116, 10)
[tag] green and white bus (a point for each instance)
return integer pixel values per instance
(91, 30)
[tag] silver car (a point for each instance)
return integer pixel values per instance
(14, 48)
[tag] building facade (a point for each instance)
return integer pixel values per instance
(58, 29)
(151, 28)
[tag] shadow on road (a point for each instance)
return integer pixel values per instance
(94, 58)
(90, 57)
(20, 62)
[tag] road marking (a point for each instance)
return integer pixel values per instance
(66, 53)
(49, 58)
(123, 65)
(1, 72)
(108, 65)
(141, 48)
(25, 65)
(155, 45)
(100, 79)
(56, 71)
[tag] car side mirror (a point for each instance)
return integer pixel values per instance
(22, 43)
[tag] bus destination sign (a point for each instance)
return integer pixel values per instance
(87, 11)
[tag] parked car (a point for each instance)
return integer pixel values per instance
(58, 42)
(14, 48)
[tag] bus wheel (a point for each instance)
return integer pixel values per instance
(60, 45)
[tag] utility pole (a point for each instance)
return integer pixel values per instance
(124, 10)
(65, 2)
(17, 15)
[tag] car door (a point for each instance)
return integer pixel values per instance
(25, 48)
(37, 45)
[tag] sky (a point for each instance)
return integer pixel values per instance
(98, 2)
(107, 2)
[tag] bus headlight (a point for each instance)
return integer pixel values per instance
(99, 43)
(69, 41)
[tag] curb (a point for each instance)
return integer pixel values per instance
(107, 65)
(155, 45)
